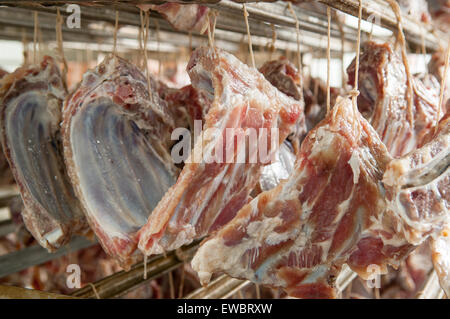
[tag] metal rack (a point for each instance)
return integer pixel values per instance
(16, 24)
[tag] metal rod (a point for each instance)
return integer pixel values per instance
(36, 255)
(122, 282)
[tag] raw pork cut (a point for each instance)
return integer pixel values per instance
(116, 138)
(31, 105)
(329, 212)
(211, 188)
(418, 191)
(283, 75)
(383, 101)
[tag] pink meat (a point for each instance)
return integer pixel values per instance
(383, 102)
(329, 212)
(209, 192)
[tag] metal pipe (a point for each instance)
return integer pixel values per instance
(36, 255)
(122, 282)
(11, 292)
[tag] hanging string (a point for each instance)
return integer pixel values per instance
(35, 35)
(342, 36)
(355, 92)
(158, 40)
(443, 84)
(146, 31)
(328, 58)
(59, 40)
(401, 38)
(26, 55)
(116, 29)
(250, 46)
(274, 40)
(299, 53)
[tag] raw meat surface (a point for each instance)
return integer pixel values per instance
(211, 188)
(116, 143)
(382, 100)
(31, 105)
(329, 212)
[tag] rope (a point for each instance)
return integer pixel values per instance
(299, 54)
(355, 92)
(328, 58)
(35, 35)
(250, 46)
(59, 40)
(401, 38)
(116, 29)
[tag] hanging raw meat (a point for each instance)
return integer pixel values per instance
(383, 101)
(31, 105)
(190, 17)
(6, 177)
(283, 75)
(418, 191)
(116, 143)
(329, 212)
(212, 188)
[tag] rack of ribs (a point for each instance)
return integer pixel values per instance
(383, 101)
(116, 138)
(211, 189)
(31, 102)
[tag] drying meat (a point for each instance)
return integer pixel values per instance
(192, 17)
(383, 102)
(315, 95)
(211, 188)
(285, 77)
(418, 191)
(440, 12)
(281, 168)
(6, 177)
(116, 138)
(329, 212)
(30, 120)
